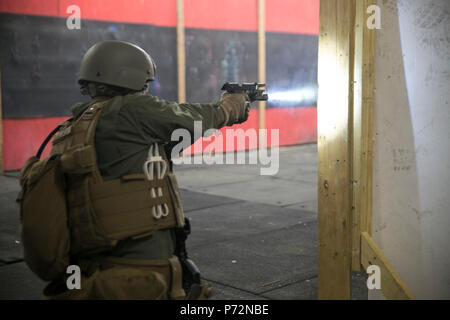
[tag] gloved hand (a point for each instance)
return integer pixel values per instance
(236, 107)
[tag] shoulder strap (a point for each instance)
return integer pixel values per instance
(92, 114)
(51, 134)
(90, 117)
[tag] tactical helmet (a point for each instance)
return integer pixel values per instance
(117, 63)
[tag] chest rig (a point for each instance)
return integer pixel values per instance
(101, 213)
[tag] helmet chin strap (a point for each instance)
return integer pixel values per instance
(94, 89)
(146, 88)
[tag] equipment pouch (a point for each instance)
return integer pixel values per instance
(119, 278)
(44, 225)
(176, 199)
(116, 283)
(78, 160)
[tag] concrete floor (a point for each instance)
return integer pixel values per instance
(253, 236)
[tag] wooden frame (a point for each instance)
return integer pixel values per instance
(261, 68)
(363, 87)
(345, 130)
(334, 113)
(391, 284)
(181, 53)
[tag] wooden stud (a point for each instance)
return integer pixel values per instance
(368, 87)
(362, 129)
(181, 53)
(261, 69)
(356, 158)
(392, 286)
(335, 111)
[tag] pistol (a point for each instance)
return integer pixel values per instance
(255, 91)
(191, 273)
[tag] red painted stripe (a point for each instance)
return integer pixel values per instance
(293, 16)
(290, 16)
(201, 144)
(23, 137)
(295, 126)
(36, 7)
(225, 15)
(157, 12)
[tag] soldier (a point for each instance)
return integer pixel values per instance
(124, 205)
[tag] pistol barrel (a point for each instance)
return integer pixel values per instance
(255, 91)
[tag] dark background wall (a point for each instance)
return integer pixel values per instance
(40, 58)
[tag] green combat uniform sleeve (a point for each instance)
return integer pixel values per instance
(160, 118)
(130, 124)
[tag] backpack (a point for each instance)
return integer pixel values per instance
(43, 214)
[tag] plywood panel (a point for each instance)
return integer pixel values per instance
(411, 154)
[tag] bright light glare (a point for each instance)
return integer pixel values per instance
(303, 96)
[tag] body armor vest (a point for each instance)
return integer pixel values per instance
(103, 212)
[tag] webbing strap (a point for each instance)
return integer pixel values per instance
(92, 114)
(176, 285)
(50, 135)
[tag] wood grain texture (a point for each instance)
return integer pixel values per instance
(181, 53)
(362, 129)
(261, 66)
(368, 86)
(335, 114)
(392, 285)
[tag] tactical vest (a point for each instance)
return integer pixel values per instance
(103, 212)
